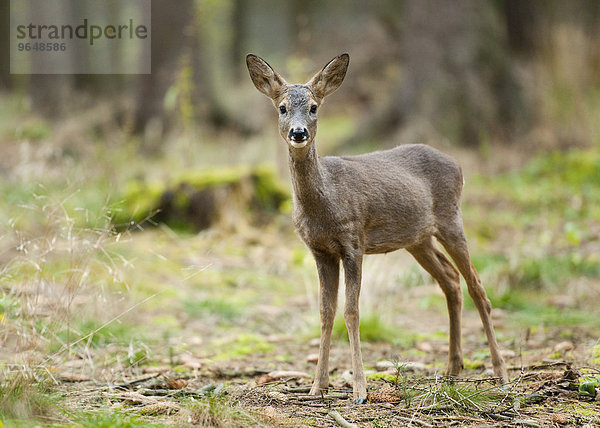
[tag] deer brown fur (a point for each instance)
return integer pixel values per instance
(349, 206)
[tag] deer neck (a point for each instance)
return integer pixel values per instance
(307, 176)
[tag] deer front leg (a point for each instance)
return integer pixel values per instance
(328, 267)
(352, 274)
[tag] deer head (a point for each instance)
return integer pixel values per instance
(297, 104)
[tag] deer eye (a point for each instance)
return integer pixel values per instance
(282, 109)
(313, 108)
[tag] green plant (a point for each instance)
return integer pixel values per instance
(588, 386)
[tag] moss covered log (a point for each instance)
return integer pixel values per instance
(201, 199)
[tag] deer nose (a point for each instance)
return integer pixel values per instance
(298, 134)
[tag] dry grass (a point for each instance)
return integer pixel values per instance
(59, 298)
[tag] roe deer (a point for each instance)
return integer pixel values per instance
(349, 206)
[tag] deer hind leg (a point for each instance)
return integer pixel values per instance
(329, 271)
(455, 242)
(446, 275)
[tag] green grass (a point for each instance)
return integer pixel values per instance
(111, 418)
(96, 334)
(225, 309)
(553, 202)
(566, 182)
(392, 378)
(217, 412)
(551, 271)
(579, 409)
(516, 286)
(464, 397)
(461, 397)
(526, 308)
(241, 346)
(372, 329)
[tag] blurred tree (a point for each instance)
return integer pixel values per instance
(456, 75)
(522, 24)
(171, 33)
(239, 16)
(300, 26)
(208, 109)
(5, 81)
(49, 92)
(106, 85)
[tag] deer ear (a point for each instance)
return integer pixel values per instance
(266, 80)
(326, 81)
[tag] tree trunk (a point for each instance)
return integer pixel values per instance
(457, 82)
(49, 92)
(171, 23)
(5, 80)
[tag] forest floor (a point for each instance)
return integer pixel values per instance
(221, 330)
(162, 327)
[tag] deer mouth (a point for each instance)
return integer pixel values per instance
(299, 144)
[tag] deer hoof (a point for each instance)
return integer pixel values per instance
(362, 400)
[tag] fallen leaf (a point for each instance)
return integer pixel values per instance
(276, 395)
(280, 374)
(559, 418)
(191, 362)
(262, 379)
(386, 394)
(425, 347)
(177, 383)
(283, 374)
(137, 398)
(563, 347)
(270, 412)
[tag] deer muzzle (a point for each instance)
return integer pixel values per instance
(298, 137)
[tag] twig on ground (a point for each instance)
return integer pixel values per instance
(340, 420)
(138, 379)
(527, 423)
(542, 366)
(298, 390)
(414, 420)
(321, 397)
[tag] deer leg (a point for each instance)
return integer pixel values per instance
(352, 274)
(328, 267)
(455, 242)
(446, 275)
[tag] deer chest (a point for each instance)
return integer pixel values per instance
(323, 229)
